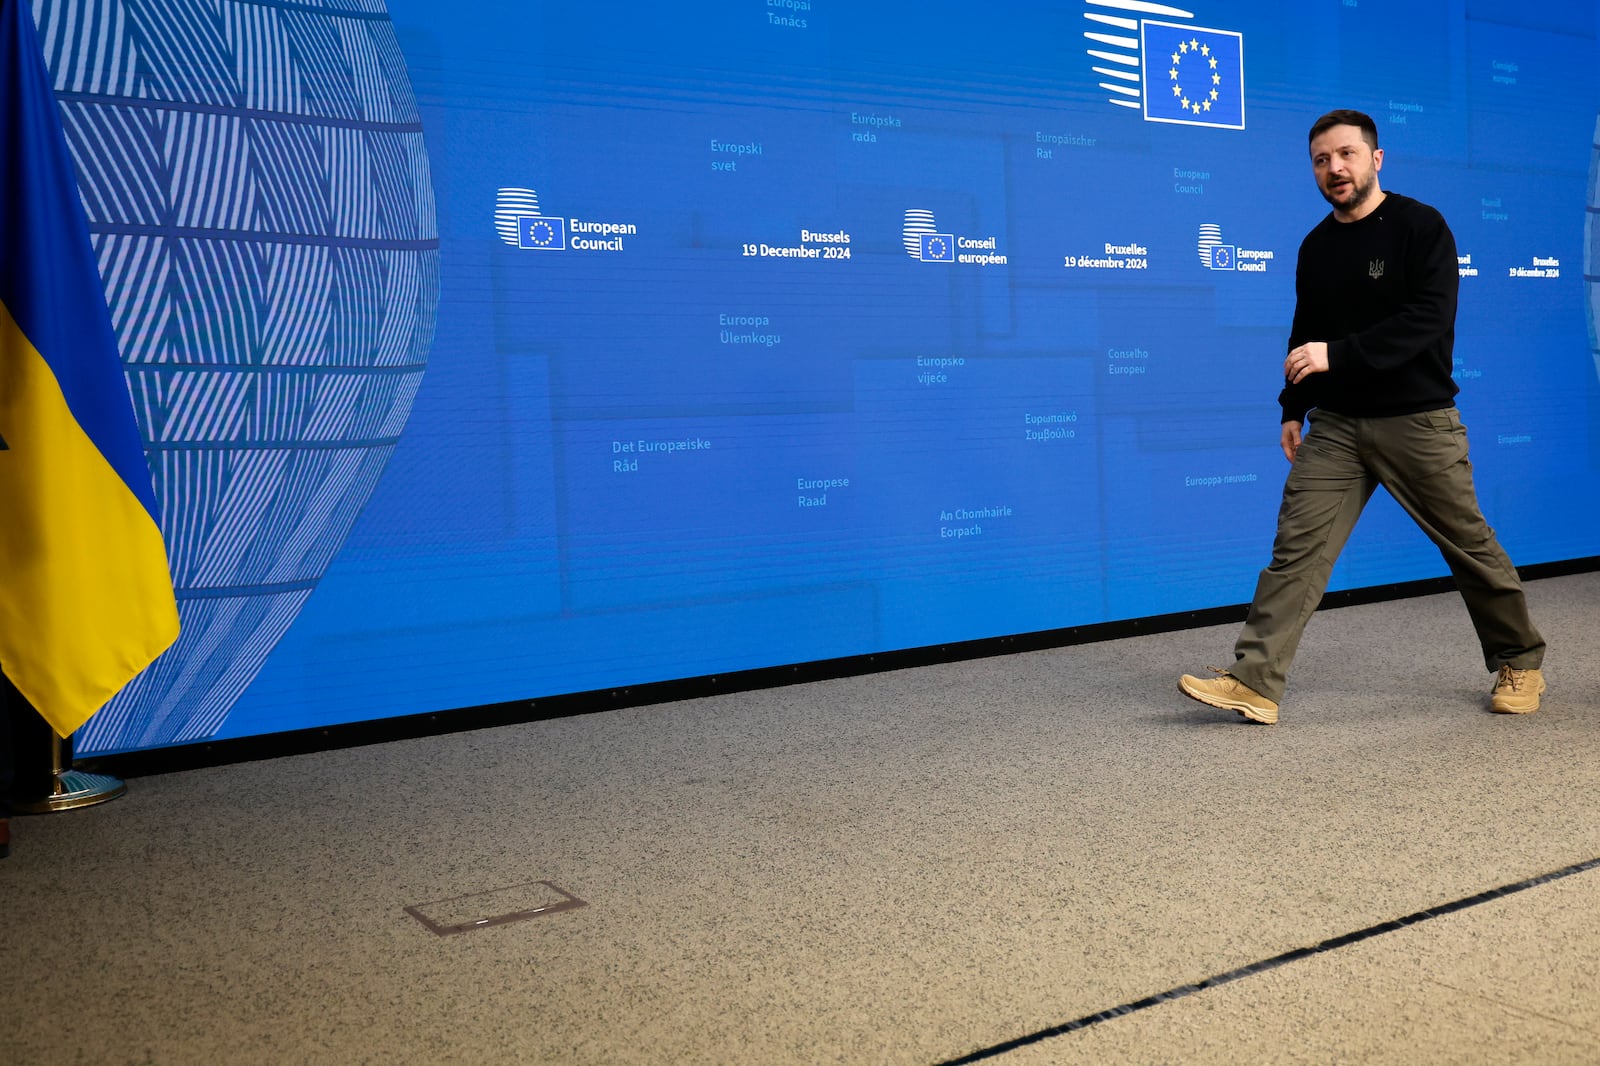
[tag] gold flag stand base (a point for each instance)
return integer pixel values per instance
(71, 789)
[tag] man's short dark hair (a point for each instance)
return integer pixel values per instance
(1346, 117)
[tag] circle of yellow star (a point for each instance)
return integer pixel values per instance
(1184, 103)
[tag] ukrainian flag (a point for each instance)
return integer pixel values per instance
(86, 598)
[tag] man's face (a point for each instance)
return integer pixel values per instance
(1346, 168)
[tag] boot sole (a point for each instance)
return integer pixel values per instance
(1261, 715)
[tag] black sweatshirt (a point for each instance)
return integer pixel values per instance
(1382, 293)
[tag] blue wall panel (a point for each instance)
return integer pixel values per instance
(494, 351)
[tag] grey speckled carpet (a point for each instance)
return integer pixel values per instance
(912, 867)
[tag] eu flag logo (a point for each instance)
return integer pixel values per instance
(539, 231)
(1192, 75)
(938, 248)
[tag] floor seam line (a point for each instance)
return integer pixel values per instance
(1272, 963)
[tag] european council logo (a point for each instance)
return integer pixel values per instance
(536, 231)
(1214, 255)
(519, 223)
(937, 248)
(923, 242)
(1170, 71)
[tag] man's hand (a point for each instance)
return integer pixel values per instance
(1290, 439)
(1309, 358)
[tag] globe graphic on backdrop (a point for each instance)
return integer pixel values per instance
(259, 198)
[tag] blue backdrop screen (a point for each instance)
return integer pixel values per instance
(500, 350)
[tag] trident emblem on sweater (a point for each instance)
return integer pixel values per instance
(1375, 269)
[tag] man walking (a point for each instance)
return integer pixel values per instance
(1370, 360)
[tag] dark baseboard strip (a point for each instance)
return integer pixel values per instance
(1271, 964)
(193, 756)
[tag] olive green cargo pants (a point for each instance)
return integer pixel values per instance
(1422, 460)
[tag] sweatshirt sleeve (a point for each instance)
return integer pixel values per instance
(1296, 400)
(1429, 310)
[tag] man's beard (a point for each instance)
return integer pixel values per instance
(1362, 192)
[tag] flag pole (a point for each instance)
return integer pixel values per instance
(69, 788)
(65, 788)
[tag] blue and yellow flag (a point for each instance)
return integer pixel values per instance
(86, 598)
(1193, 74)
